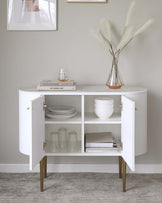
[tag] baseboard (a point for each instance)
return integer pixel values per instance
(79, 168)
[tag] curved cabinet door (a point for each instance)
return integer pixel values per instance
(37, 131)
(141, 122)
(128, 131)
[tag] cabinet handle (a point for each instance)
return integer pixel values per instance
(44, 106)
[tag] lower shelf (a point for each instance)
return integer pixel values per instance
(112, 152)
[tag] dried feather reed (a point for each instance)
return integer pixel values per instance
(98, 36)
(129, 14)
(144, 27)
(125, 38)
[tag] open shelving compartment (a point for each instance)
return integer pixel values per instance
(68, 145)
(116, 133)
(94, 124)
(83, 122)
(73, 124)
(90, 116)
(74, 101)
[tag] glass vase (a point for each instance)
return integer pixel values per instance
(114, 80)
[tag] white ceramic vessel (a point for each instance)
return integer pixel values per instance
(104, 114)
(104, 100)
(103, 107)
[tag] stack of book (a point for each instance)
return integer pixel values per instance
(47, 85)
(99, 142)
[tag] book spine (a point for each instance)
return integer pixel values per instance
(99, 149)
(99, 144)
(52, 83)
(56, 88)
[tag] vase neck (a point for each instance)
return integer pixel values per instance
(115, 61)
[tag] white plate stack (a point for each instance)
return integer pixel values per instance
(60, 112)
(104, 107)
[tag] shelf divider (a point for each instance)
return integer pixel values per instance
(82, 116)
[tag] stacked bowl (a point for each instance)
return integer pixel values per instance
(103, 107)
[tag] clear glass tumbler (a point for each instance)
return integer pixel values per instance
(73, 141)
(62, 139)
(54, 142)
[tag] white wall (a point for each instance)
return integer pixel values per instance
(28, 57)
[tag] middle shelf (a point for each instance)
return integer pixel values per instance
(74, 120)
(89, 118)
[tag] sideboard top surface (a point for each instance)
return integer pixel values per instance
(90, 90)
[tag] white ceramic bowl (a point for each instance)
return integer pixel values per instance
(104, 114)
(104, 100)
(104, 103)
(106, 106)
(104, 109)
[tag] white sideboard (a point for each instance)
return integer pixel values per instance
(129, 121)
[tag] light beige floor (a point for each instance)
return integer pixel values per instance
(80, 188)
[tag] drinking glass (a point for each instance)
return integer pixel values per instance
(54, 142)
(48, 147)
(62, 139)
(72, 141)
